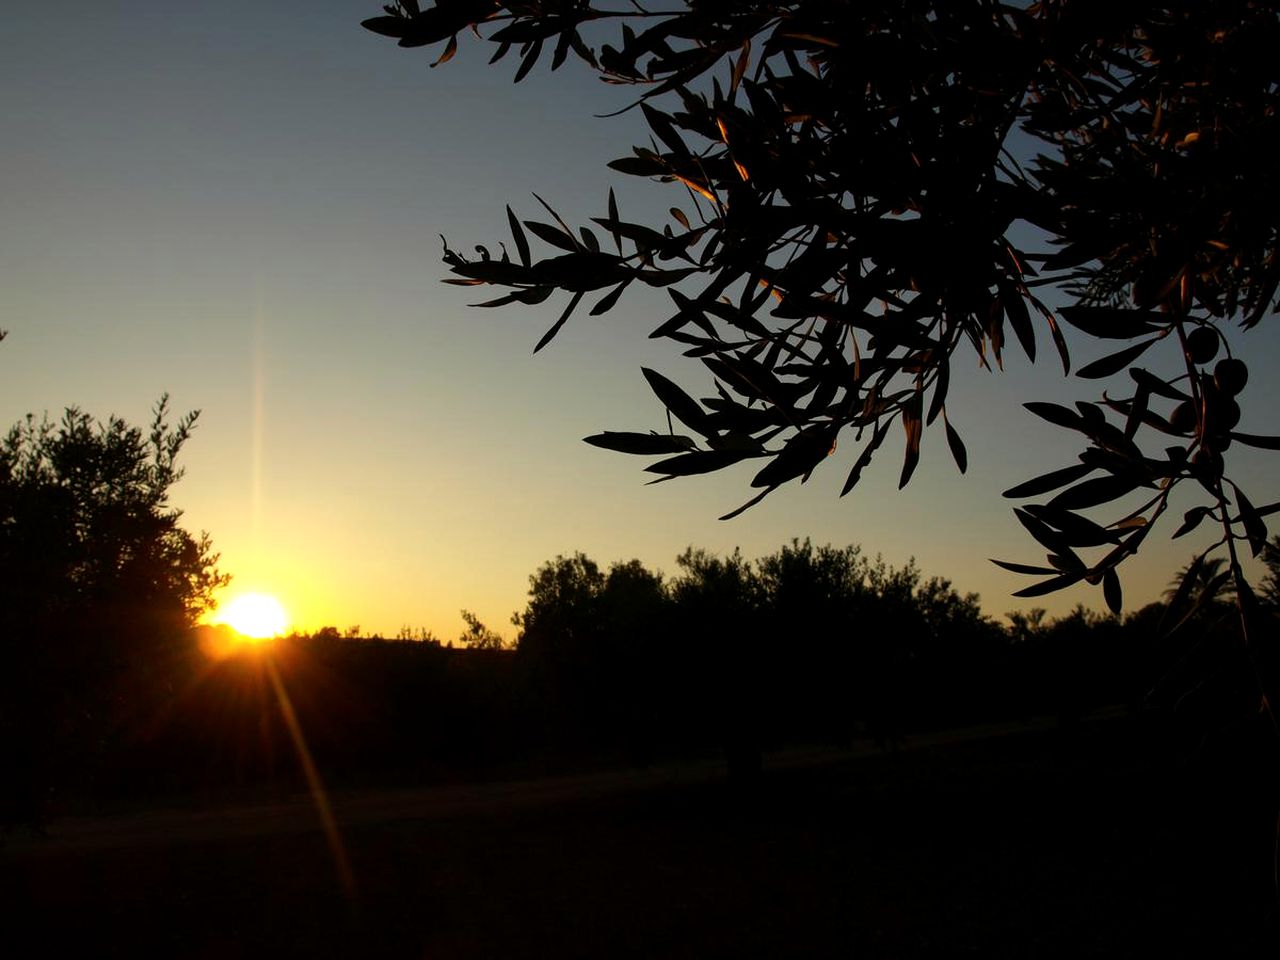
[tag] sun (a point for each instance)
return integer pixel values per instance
(255, 615)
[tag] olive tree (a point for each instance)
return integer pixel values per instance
(854, 186)
(98, 583)
(86, 526)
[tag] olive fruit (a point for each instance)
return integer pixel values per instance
(1183, 418)
(1202, 344)
(1230, 375)
(1218, 442)
(1206, 464)
(1221, 413)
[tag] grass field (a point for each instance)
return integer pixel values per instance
(1036, 843)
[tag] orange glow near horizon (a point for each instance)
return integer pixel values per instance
(258, 616)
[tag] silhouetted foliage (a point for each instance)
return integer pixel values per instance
(807, 645)
(477, 636)
(87, 526)
(1270, 589)
(592, 644)
(866, 187)
(98, 585)
(1202, 588)
(418, 634)
(559, 628)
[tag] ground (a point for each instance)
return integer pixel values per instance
(1088, 841)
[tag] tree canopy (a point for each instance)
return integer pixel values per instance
(867, 188)
(86, 527)
(98, 583)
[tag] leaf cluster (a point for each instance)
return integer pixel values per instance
(851, 193)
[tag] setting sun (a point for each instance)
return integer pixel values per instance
(255, 615)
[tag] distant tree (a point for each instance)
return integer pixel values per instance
(98, 583)
(635, 655)
(719, 606)
(1024, 627)
(634, 596)
(858, 184)
(1201, 587)
(560, 641)
(1078, 663)
(818, 583)
(477, 636)
(1270, 589)
(557, 620)
(417, 635)
(600, 650)
(822, 629)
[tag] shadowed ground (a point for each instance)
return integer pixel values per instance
(1037, 842)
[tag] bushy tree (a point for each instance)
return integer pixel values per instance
(560, 641)
(98, 582)
(821, 627)
(867, 187)
(596, 645)
(561, 607)
(86, 526)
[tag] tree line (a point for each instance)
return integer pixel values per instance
(728, 657)
(111, 690)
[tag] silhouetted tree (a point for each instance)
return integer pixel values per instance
(1198, 674)
(1270, 589)
(477, 636)
(86, 525)
(1202, 588)
(857, 180)
(821, 628)
(562, 595)
(1026, 626)
(718, 605)
(417, 635)
(98, 582)
(638, 657)
(561, 638)
(597, 645)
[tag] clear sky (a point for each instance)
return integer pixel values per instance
(240, 203)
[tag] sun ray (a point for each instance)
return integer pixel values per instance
(315, 785)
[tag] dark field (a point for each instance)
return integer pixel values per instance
(1094, 841)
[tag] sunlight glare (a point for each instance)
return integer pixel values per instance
(255, 615)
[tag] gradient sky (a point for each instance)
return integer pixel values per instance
(240, 204)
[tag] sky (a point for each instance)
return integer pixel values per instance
(240, 204)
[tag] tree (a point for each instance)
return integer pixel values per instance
(560, 640)
(854, 180)
(98, 583)
(477, 636)
(559, 618)
(824, 632)
(1271, 583)
(1208, 589)
(87, 533)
